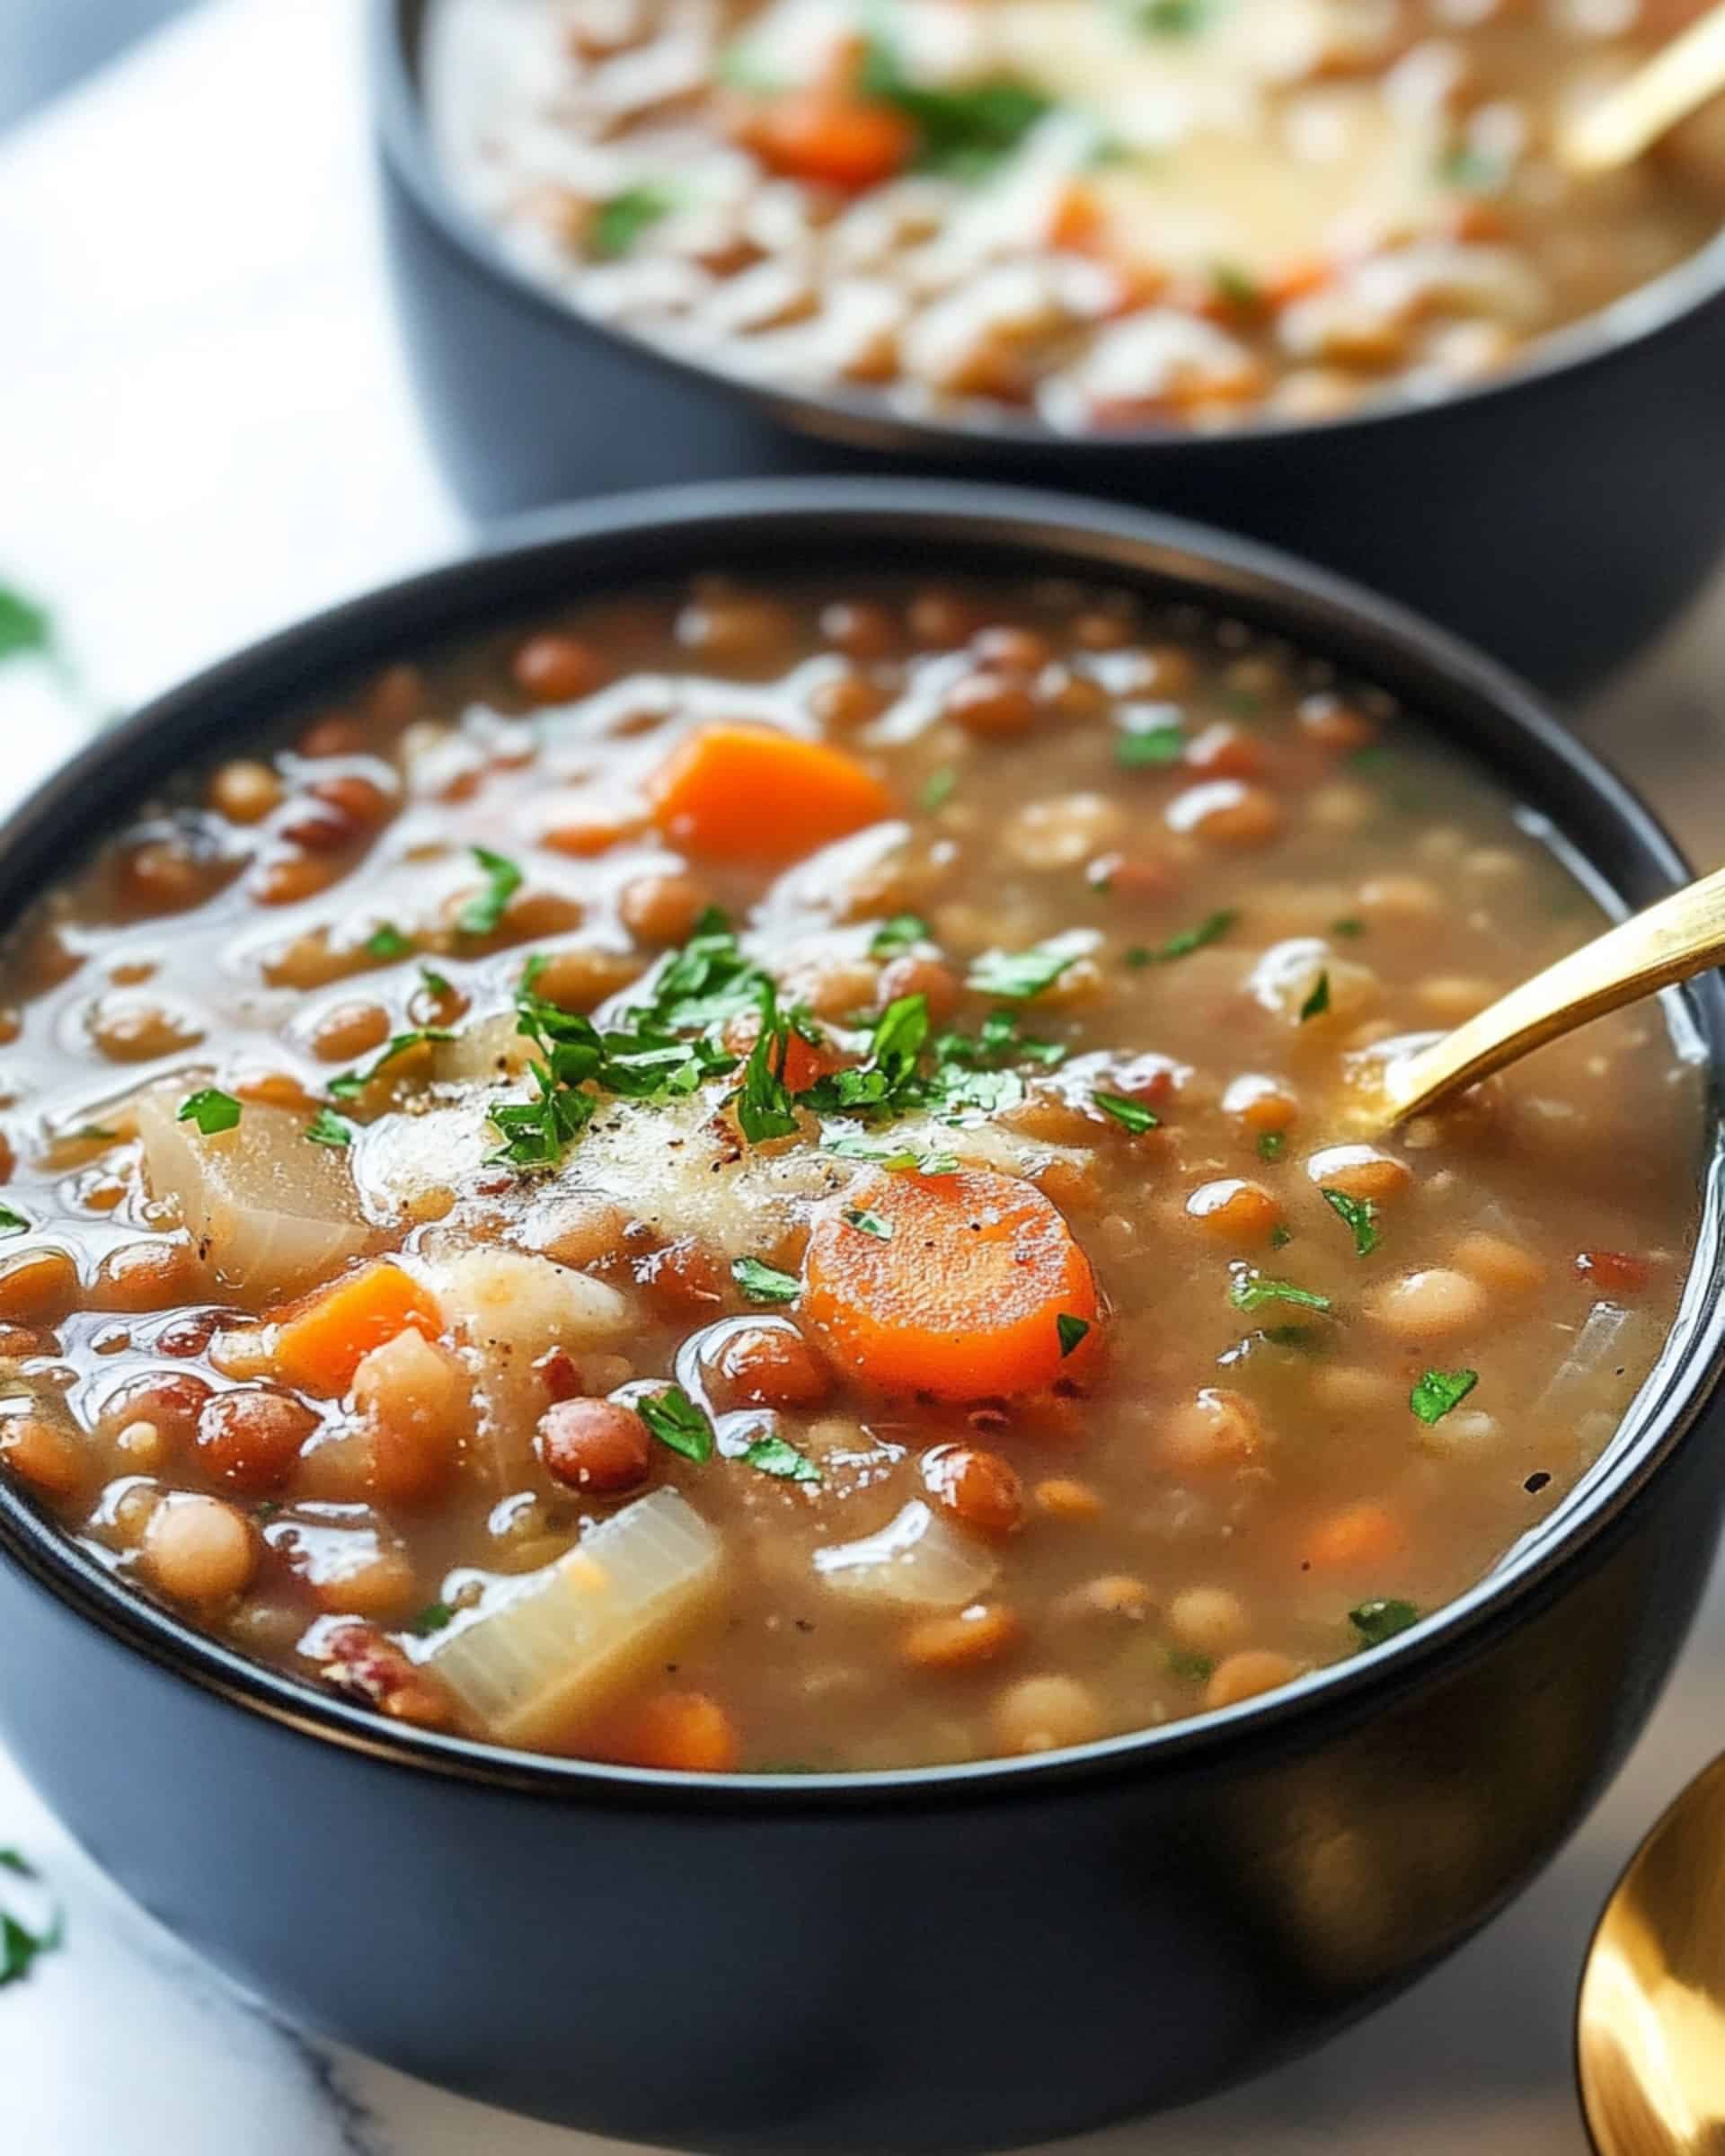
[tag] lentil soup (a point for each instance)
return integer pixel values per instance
(753, 1179)
(1106, 214)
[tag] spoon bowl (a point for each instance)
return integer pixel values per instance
(1650, 2017)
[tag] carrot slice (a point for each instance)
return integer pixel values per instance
(832, 137)
(1359, 1538)
(746, 793)
(688, 1731)
(323, 1338)
(961, 1296)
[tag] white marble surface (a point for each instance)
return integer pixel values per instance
(203, 432)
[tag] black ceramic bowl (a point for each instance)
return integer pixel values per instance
(963, 1958)
(1558, 515)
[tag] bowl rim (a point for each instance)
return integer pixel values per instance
(666, 533)
(858, 418)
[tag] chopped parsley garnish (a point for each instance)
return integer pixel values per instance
(435, 983)
(1189, 940)
(1280, 1236)
(1019, 975)
(11, 1221)
(482, 912)
(1136, 1118)
(1318, 1002)
(763, 1283)
(19, 1946)
(432, 1618)
(763, 1107)
(675, 1421)
(352, 1082)
(1252, 1291)
(210, 1108)
(1070, 1331)
(895, 936)
(327, 1129)
(868, 1223)
(887, 1083)
(963, 131)
(387, 941)
(1271, 1144)
(1149, 744)
(621, 220)
(25, 627)
(1188, 1667)
(1291, 1335)
(778, 1456)
(1170, 18)
(905, 1160)
(1439, 1391)
(1360, 1215)
(1376, 1621)
(937, 789)
(1348, 926)
(1235, 286)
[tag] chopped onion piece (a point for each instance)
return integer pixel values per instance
(272, 1214)
(917, 1559)
(1610, 1339)
(570, 1634)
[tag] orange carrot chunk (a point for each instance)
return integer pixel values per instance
(1359, 1538)
(324, 1338)
(686, 1731)
(962, 1296)
(745, 793)
(831, 136)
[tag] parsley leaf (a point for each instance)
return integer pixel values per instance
(778, 1456)
(1376, 1621)
(1252, 1291)
(904, 1161)
(1360, 1215)
(1070, 1331)
(1348, 926)
(961, 131)
(1188, 1667)
(1271, 1144)
(897, 935)
(24, 626)
(621, 220)
(11, 1221)
(1019, 975)
(1149, 744)
(937, 789)
(327, 1129)
(1136, 1118)
(1439, 1391)
(1280, 1236)
(387, 941)
(1170, 18)
(210, 1108)
(1318, 1002)
(435, 983)
(763, 1283)
(432, 1619)
(1189, 940)
(1235, 288)
(19, 1946)
(352, 1082)
(481, 913)
(869, 1223)
(764, 1108)
(675, 1421)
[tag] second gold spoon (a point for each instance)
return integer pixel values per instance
(1682, 935)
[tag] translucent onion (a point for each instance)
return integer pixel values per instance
(569, 1636)
(272, 1213)
(1584, 1394)
(918, 1560)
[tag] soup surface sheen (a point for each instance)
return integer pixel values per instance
(1117, 213)
(759, 1182)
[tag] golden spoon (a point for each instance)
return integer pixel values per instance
(1650, 2019)
(1682, 935)
(1677, 81)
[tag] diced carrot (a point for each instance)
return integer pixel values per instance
(686, 1731)
(1359, 1538)
(1614, 1271)
(1296, 279)
(748, 793)
(803, 1062)
(323, 1338)
(1077, 223)
(963, 1294)
(831, 136)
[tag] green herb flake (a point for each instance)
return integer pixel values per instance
(937, 789)
(1018, 976)
(432, 1619)
(1439, 1391)
(1070, 1331)
(1170, 18)
(1348, 926)
(435, 983)
(26, 629)
(353, 1083)
(763, 1101)
(1252, 1291)
(962, 132)
(1149, 744)
(1301, 1336)
(1236, 287)
(621, 220)
(21, 1948)
(1136, 1118)
(675, 1421)
(1318, 1002)
(211, 1110)
(1280, 1236)
(868, 1223)
(779, 1457)
(895, 936)
(387, 941)
(11, 1221)
(327, 1129)
(1181, 946)
(1376, 1621)
(1271, 1144)
(1360, 1215)
(763, 1283)
(484, 910)
(1188, 1667)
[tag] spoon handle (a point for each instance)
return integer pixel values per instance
(1675, 82)
(1682, 935)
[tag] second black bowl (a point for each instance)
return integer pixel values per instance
(1557, 516)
